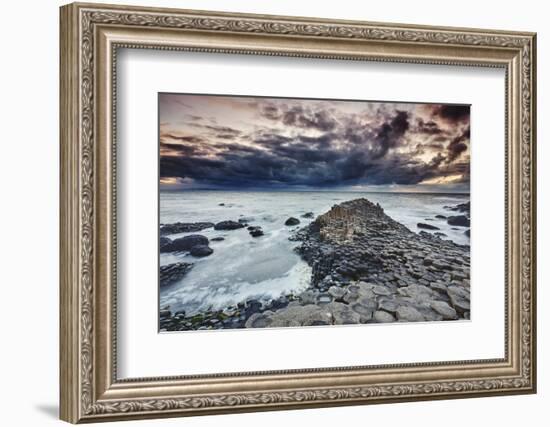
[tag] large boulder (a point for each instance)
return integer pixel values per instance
(383, 317)
(184, 227)
(164, 242)
(171, 273)
(459, 221)
(185, 243)
(343, 314)
(460, 298)
(201, 250)
(228, 225)
(444, 309)
(292, 221)
(427, 226)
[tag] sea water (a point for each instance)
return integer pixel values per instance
(244, 267)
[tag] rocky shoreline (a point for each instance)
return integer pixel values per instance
(366, 268)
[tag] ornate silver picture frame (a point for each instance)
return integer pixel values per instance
(92, 36)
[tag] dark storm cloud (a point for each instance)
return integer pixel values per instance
(219, 129)
(178, 149)
(299, 116)
(226, 136)
(452, 113)
(183, 138)
(310, 144)
(458, 145)
(430, 127)
(389, 134)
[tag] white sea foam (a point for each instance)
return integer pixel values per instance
(243, 267)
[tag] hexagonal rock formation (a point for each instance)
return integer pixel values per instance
(357, 242)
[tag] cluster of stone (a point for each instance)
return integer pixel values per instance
(357, 248)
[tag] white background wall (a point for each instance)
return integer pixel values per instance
(29, 170)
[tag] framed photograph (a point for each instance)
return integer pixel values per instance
(266, 212)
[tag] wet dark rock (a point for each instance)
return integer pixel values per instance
(173, 272)
(292, 221)
(458, 220)
(163, 242)
(201, 251)
(441, 217)
(185, 243)
(252, 306)
(245, 220)
(439, 234)
(228, 225)
(217, 239)
(462, 208)
(308, 215)
(184, 227)
(278, 303)
(467, 232)
(427, 226)
(257, 232)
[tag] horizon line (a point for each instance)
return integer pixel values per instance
(310, 191)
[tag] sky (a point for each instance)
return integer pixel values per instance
(232, 142)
